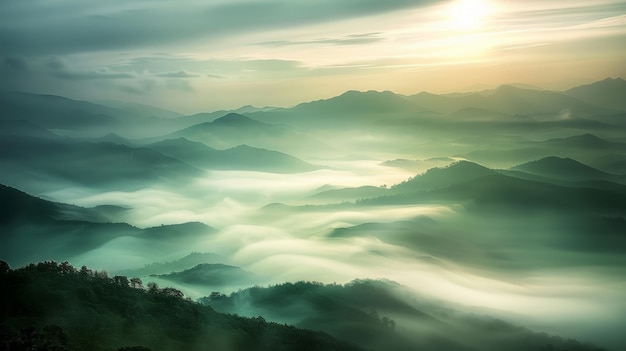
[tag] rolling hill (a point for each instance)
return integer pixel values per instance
(210, 274)
(564, 169)
(235, 129)
(34, 229)
(374, 314)
(242, 157)
(55, 112)
(95, 164)
(436, 178)
(608, 92)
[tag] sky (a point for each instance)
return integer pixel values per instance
(192, 56)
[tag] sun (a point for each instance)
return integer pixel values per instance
(468, 15)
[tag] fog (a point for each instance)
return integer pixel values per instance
(263, 225)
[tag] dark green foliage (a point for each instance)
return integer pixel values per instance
(60, 308)
(379, 315)
(49, 338)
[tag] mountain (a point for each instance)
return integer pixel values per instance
(447, 104)
(86, 163)
(353, 109)
(242, 157)
(189, 261)
(52, 306)
(210, 274)
(232, 125)
(509, 100)
(359, 103)
(234, 129)
(264, 160)
(140, 110)
(17, 205)
(376, 315)
(479, 114)
(435, 178)
(55, 112)
(36, 229)
(610, 92)
(584, 141)
(111, 137)
(562, 168)
(347, 194)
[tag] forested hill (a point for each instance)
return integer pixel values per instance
(50, 306)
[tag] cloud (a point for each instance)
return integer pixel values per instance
(59, 69)
(179, 74)
(69, 75)
(63, 28)
(354, 39)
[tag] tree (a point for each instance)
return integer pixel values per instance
(102, 274)
(84, 271)
(216, 295)
(66, 267)
(172, 292)
(136, 283)
(121, 280)
(153, 287)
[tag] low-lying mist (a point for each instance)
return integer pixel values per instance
(514, 265)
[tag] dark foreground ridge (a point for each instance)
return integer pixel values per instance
(50, 306)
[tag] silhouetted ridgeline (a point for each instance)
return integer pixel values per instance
(50, 306)
(379, 315)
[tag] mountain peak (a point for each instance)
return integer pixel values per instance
(583, 140)
(609, 92)
(562, 168)
(440, 177)
(234, 119)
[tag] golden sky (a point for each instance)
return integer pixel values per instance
(193, 56)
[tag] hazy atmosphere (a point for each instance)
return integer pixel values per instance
(196, 56)
(354, 175)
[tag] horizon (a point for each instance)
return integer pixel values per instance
(223, 55)
(519, 85)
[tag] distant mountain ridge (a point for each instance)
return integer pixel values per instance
(562, 168)
(610, 92)
(241, 157)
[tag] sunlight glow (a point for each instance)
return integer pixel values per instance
(468, 15)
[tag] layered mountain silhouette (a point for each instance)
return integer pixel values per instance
(191, 260)
(211, 274)
(55, 112)
(235, 129)
(373, 314)
(242, 157)
(436, 178)
(608, 92)
(36, 229)
(31, 158)
(563, 168)
(516, 186)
